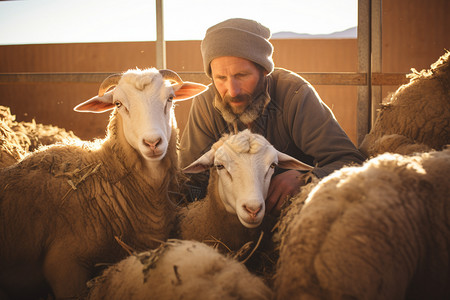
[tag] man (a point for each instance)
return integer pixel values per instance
(248, 92)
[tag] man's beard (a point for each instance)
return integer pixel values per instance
(257, 102)
(242, 97)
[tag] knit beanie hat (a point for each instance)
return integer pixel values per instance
(240, 38)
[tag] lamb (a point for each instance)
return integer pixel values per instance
(417, 115)
(234, 206)
(379, 231)
(63, 207)
(178, 270)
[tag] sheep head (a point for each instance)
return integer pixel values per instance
(245, 163)
(144, 101)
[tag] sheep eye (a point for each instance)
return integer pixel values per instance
(219, 167)
(118, 104)
(168, 105)
(273, 165)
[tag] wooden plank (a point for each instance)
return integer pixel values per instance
(335, 78)
(313, 78)
(389, 78)
(8, 78)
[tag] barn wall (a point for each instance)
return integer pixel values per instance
(415, 34)
(52, 103)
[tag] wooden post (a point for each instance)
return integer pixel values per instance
(160, 42)
(364, 67)
(376, 67)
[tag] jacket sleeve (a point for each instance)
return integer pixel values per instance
(314, 129)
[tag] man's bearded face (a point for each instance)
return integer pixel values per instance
(240, 88)
(240, 103)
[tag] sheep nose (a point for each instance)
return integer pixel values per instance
(152, 143)
(252, 211)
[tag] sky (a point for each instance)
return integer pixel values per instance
(79, 21)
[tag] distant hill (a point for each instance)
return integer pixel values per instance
(350, 33)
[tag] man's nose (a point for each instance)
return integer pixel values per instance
(234, 88)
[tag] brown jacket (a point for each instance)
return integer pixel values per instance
(295, 121)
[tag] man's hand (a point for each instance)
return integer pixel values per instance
(281, 187)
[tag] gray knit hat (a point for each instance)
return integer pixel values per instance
(241, 38)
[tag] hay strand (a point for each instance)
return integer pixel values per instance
(254, 249)
(78, 177)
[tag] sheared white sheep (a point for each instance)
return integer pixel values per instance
(379, 231)
(62, 207)
(178, 270)
(417, 115)
(234, 206)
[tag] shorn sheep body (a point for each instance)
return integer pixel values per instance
(19, 138)
(416, 117)
(379, 231)
(234, 207)
(187, 270)
(11, 149)
(63, 207)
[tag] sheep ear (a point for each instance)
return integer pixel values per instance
(288, 162)
(97, 104)
(188, 90)
(202, 164)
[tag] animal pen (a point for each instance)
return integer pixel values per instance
(107, 179)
